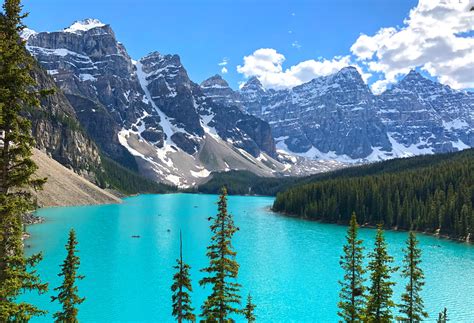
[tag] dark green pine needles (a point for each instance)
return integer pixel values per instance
(181, 287)
(16, 167)
(249, 310)
(379, 300)
(352, 286)
(68, 292)
(412, 304)
(223, 269)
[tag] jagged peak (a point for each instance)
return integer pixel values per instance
(27, 33)
(413, 77)
(80, 26)
(349, 72)
(215, 81)
(413, 74)
(252, 83)
(154, 54)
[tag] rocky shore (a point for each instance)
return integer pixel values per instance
(30, 218)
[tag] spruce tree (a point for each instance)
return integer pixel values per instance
(352, 292)
(442, 316)
(16, 167)
(249, 310)
(412, 303)
(182, 309)
(223, 268)
(68, 292)
(379, 300)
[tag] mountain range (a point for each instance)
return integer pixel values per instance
(150, 117)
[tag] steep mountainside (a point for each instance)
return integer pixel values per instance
(337, 117)
(148, 115)
(58, 133)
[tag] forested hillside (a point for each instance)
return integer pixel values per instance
(431, 193)
(241, 182)
(115, 176)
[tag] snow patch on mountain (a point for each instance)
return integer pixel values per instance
(83, 25)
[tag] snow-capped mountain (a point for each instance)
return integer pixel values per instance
(148, 115)
(338, 117)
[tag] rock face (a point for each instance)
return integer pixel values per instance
(97, 75)
(427, 117)
(337, 117)
(220, 92)
(58, 133)
(148, 115)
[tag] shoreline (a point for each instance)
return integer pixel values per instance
(371, 226)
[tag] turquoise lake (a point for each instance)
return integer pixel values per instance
(290, 266)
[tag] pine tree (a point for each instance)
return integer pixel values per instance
(16, 167)
(182, 309)
(379, 301)
(223, 268)
(68, 292)
(442, 316)
(352, 291)
(249, 310)
(412, 303)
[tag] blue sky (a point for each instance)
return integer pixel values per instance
(203, 33)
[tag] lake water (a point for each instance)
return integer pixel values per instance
(290, 266)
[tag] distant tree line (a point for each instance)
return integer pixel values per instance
(243, 182)
(115, 176)
(435, 198)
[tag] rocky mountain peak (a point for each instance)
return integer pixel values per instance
(414, 81)
(215, 81)
(81, 26)
(253, 84)
(347, 75)
(220, 92)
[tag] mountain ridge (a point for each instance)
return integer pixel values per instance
(148, 115)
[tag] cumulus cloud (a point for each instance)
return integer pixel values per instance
(267, 65)
(224, 70)
(436, 36)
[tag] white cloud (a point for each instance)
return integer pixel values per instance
(224, 70)
(437, 36)
(296, 44)
(266, 64)
(431, 38)
(224, 62)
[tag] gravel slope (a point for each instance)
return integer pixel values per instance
(66, 188)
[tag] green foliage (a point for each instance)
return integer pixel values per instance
(182, 309)
(352, 287)
(223, 268)
(126, 181)
(442, 316)
(68, 292)
(249, 310)
(412, 303)
(241, 182)
(435, 195)
(379, 300)
(16, 168)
